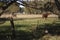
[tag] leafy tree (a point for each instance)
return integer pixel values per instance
(1, 4)
(48, 6)
(34, 7)
(12, 7)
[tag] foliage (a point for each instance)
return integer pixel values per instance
(1, 4)
(57, 2)
(34, 7)
(13, 8)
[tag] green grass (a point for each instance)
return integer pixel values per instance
(27, 27)
(28, 24)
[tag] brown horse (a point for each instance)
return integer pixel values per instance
(45, 15)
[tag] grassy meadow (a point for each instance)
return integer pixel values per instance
(27, 24)
(28, 29)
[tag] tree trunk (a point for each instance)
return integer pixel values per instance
(12, 28)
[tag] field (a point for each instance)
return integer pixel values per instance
(28, 23)
(27, 26)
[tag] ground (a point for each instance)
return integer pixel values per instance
(29, 23)
(26, 15)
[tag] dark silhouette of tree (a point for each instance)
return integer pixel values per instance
(4, 8)
(48, 6)
(57, 2)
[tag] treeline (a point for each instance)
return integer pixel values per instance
(34, 7)
(38, 7)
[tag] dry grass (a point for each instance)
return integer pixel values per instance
(49, 37)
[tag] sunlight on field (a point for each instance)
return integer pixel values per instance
(35, 21)
(28, 24)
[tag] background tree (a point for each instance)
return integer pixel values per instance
(34, 7)
(12, 7)
(57, 2)
(1, 5)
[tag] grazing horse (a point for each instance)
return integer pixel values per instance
(45, 15)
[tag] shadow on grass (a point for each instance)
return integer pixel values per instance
(2, 20)
(19, 35)
(53, 29)
(4, 28)
(38, 33)
(6, 33)
(18, 25)
(23, 35)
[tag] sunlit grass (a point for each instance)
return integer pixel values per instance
(28, 24)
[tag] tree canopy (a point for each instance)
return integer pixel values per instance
(1, 4)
